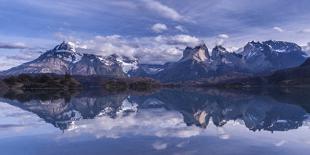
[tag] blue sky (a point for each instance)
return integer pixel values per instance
(154, 30)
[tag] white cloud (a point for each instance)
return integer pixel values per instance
(160, 146)
(163, 10)
(159, 28)
(279, 29)
(105, 45)
(306, 48)
(224, 36)
(16, 45)
(163, 49)
(158, 55)
(159, 49)
(180, 28)
(221, 39)
(182, 39)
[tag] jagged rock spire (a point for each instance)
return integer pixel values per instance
(198, 53)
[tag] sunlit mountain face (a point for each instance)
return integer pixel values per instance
(165, 120)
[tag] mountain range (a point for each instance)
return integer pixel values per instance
(254, 59)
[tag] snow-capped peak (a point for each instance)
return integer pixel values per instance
(65, 47)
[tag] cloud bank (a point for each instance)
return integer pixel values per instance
(12, 45)
(151, 50)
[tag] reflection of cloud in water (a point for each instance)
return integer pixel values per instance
(280, 143)
(12, 115)
(157, 122)
(169, 115)
(182, 144)
(14, 121)
(159, 145)
(14, 126)
(222, 134)
(152, 122)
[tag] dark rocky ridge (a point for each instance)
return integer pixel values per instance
(291, 77)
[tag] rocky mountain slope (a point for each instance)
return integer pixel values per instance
(291, 77)
(64, 59)
(297, 76)
(272, 55)
(255, 59)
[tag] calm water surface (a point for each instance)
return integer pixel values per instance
(209, 122)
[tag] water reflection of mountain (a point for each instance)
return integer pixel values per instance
(259, 110)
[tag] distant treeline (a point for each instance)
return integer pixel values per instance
(68, 82)
(41, 81)
(137, 84)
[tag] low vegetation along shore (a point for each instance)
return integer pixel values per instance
(42, 81)
(67, 82)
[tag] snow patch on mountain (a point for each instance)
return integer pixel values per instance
(127, 65)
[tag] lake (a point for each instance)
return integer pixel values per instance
(169, 121)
